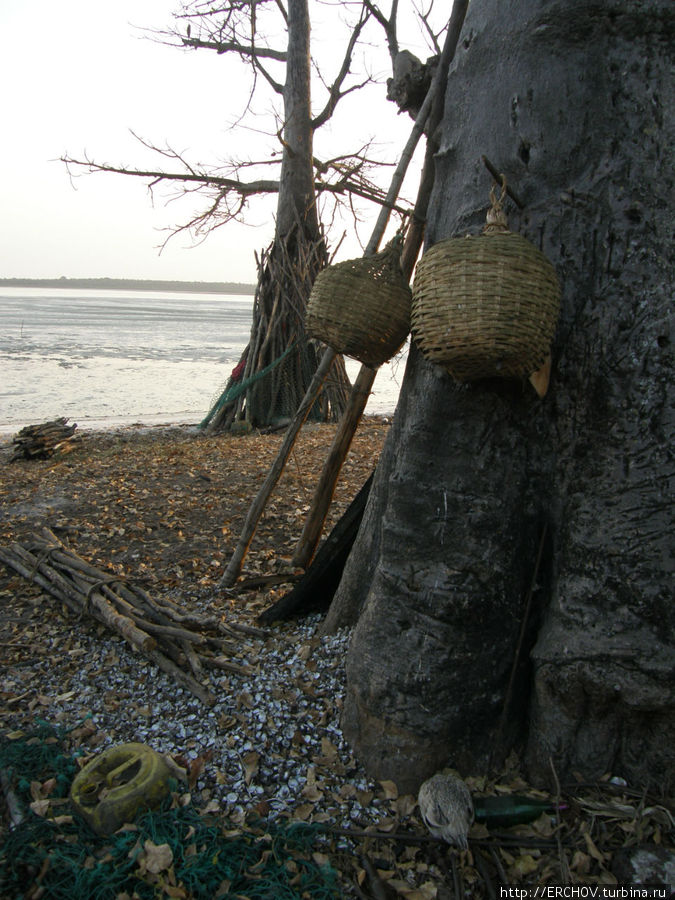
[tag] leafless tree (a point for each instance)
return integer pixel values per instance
(272, 40)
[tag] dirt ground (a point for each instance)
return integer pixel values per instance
(165, 506)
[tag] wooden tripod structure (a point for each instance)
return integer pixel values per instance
(427, 119)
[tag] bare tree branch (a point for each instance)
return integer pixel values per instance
(388, 24)
(348, 178)
(232, 46)
(274, 84)
(433, 36)
(335, 92)
(262, 186)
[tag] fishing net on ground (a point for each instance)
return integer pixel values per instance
(170, 852)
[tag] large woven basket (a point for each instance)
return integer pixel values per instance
(361, 307)
(485, 305)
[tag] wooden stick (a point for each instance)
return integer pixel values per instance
(406, 837)
(184, 678)
(323, 494)
(431, 110)
(219, 662)
(43, 574)
(43, 440)
(144, 624)
(192, 658)
(258, 506)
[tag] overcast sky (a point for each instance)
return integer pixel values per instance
(79, 77)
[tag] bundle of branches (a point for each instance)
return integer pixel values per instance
(286, 272)
(43, 441)
(179, 642)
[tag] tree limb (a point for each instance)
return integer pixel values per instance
(233, 46)
(389, 24)
(335, 93)
(344, 185)
(262, 186)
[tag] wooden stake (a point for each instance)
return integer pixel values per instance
(431, 110)
(260, 502)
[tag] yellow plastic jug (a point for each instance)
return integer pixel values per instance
(119, 783)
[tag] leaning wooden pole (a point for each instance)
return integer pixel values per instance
(323, 494)
(258, 506)
(260, 502)
(431, 112)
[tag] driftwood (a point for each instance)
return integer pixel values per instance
(43, 441)
(315, 590)
(179, 642)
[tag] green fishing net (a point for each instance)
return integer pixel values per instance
(170, 852)
(234, 389)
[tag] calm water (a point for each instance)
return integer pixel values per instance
(104, 358)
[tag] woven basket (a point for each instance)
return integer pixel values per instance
(485, 305)
(361, 307)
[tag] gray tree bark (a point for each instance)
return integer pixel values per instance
(289, 267)
(574, 102)
(297, 202)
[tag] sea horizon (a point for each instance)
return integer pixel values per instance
(107, 282)
(113, 358)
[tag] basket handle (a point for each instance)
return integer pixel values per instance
(496, 221)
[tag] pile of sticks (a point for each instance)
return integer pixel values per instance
(180, 643)
(43, 441)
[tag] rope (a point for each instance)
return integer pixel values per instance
(231, 392)
(496, 221)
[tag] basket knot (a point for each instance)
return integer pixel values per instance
(496, 221)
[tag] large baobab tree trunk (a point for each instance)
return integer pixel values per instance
(574, 102)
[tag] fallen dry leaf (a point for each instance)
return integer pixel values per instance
(389, 790)
(157, 857)
(40, 807)
(251, 761)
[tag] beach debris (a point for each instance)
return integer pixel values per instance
(179, 642)
(120, 782)
(45, 440)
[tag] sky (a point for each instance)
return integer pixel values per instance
(77, 79)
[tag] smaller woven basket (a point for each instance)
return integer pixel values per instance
(361, 307)
(485, 305)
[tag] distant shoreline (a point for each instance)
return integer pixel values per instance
(131, 284)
